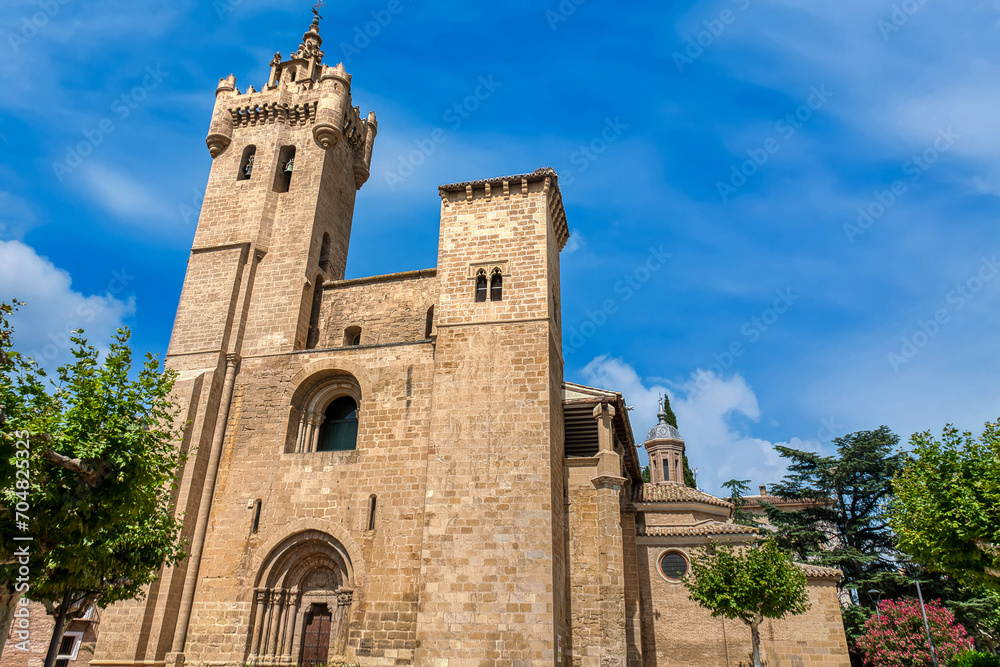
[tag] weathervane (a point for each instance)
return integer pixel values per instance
(317, 7)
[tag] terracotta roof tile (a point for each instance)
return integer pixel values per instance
(675, 493)
(820, 572)
(706, 528)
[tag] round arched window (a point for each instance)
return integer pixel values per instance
(673, 565)
(339, 431)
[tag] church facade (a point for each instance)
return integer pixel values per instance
(392, 470)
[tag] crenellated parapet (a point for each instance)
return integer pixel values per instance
(300, 91)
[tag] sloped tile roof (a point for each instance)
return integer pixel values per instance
(700, 529)
(820, 572)
(675, 493)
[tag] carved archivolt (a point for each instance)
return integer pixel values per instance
(307, 571)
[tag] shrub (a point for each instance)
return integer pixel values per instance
(975, 659)
(898, 638)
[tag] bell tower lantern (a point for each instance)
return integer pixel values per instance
(665, 447)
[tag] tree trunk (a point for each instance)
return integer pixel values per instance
(754, 639)
(57, 631)
(8, 604)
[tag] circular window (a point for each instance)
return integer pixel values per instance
(673, 565)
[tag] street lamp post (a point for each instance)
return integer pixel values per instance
(923, 611)
(875, 596)
(927, 626)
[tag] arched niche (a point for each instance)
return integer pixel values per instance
(303, 595)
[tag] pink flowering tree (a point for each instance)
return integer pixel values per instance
(898, 638)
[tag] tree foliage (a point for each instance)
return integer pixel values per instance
(749, 584)
(896, 637)
(947, 507)
(847, 523)
(97, 478)
(737, 491)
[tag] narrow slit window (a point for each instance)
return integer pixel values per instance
(372, 502)
(496, 286)
(481, 286)
(324, 253)
(312, 338)
(429, 325)
(246, 163)
(255, 527)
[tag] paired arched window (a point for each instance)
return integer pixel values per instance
(339, 431)
(489, 285)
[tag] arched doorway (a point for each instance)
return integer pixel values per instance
(302, 602)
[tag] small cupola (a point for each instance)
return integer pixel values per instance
(665, 447)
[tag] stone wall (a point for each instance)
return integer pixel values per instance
(678, 632)
(386, 309)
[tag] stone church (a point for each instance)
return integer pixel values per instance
(392, 470)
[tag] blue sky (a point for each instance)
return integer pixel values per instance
(648, 114)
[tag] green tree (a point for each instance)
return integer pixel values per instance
(946, 507)
(24, 407)
(99, 465)
(737, 489)
(748, 583)
(846, 524)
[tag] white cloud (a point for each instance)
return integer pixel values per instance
(16, 216)
(706, 407)
(576, 241)
(124, 196)
(53, 309)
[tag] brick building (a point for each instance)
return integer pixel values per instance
(392, 470)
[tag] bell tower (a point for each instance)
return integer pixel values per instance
(288, 161)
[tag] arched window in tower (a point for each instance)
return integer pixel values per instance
(286, 163)
(481, 286)
(352, 336)
(246, 163)
(339, 432)
(496, 285)
(429, 324)
(324, 253)
(312, 340)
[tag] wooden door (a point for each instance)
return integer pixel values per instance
(316, 636)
